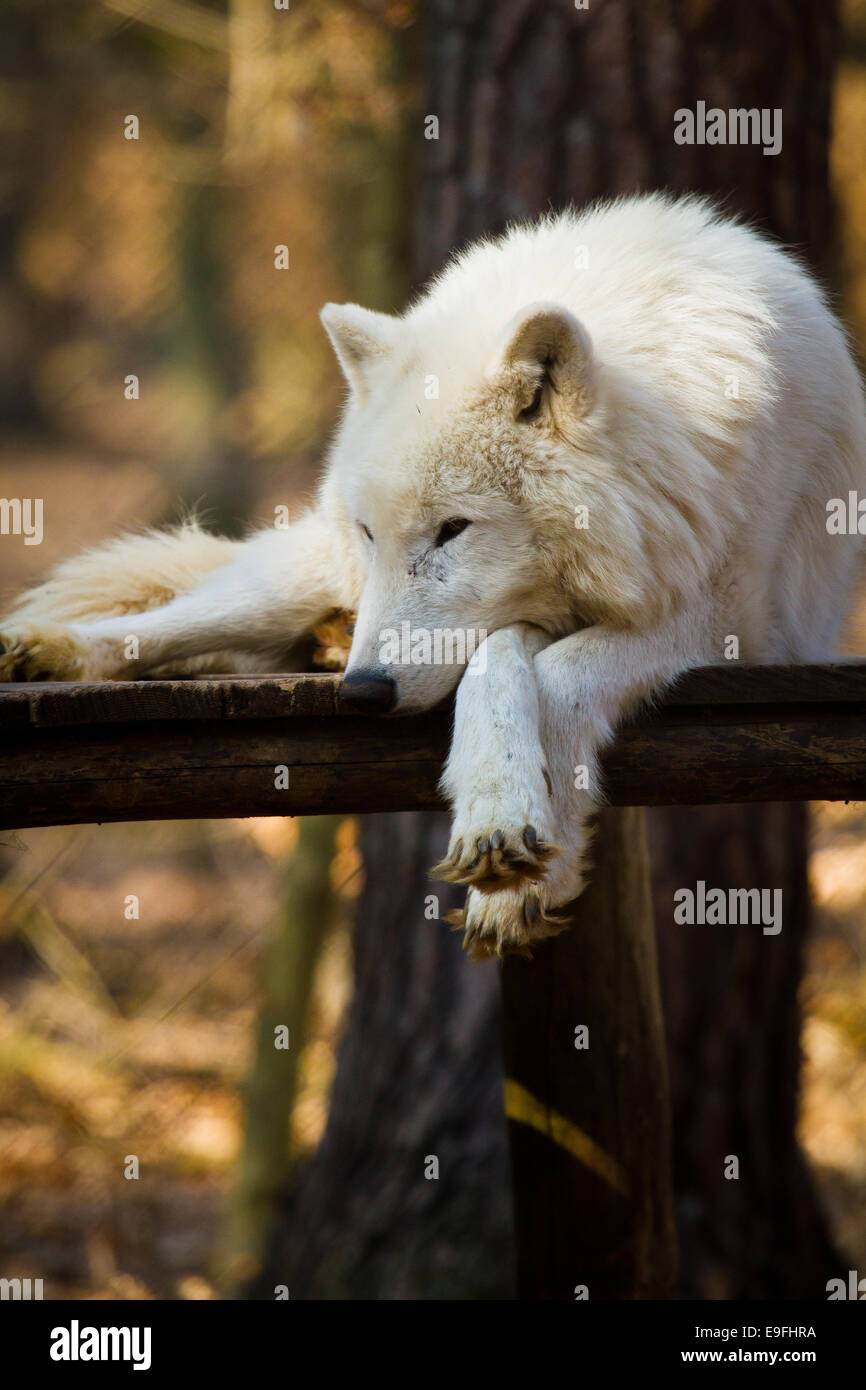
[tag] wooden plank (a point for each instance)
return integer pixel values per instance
(589, 1125)
(66, 757)
(53, 703)
(738, 684)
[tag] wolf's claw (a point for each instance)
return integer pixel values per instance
(491, 861)
(506, 923)
(42, 652)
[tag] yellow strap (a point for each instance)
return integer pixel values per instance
(522, 1106)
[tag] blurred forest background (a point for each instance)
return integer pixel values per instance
(155, 256)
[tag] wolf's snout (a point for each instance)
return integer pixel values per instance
(369, 692)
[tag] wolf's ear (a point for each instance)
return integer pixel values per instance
(360, 338)
(547, 366)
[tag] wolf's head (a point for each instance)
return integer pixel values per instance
(451, 463)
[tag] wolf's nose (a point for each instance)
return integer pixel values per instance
(370, 692)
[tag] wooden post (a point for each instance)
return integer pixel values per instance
(588, 1112)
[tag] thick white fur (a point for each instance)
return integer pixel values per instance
(694, 392)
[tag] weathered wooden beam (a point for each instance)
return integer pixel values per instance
(586, 1091)
(159, 750)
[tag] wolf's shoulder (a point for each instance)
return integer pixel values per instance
(630, 268)
(616, 229)
(613, 245)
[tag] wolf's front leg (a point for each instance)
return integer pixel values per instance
(495, 777)
(586, 684)
(278, 586)
(504, 832)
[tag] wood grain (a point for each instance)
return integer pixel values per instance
(589, 1126)
(155, 750)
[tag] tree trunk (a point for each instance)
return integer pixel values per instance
(733, 1026)
(586, 1091)
(407, 1194)
(540, 104)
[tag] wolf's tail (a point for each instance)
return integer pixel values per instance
(127, 575)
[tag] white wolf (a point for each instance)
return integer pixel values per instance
(609, 440)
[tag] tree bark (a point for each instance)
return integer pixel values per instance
(733, 1027)
(586, 1091)
(541, 104)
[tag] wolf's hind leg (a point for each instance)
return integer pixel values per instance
(130, 574)
(274, 588)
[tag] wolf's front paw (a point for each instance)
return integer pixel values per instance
(514, 917)
(499, 854)
(507, 922)
(39, 652)
(494, 843)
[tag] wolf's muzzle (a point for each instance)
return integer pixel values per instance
(369, 692)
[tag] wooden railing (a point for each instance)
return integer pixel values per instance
(156, 750)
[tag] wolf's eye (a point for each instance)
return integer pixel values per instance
(449, 529)
(530, 411)
(367, 532)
